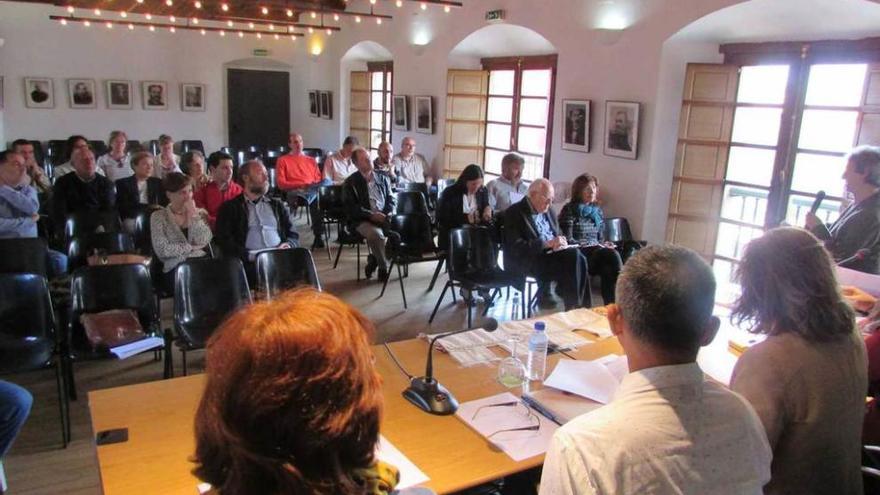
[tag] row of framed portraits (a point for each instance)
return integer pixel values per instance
(39, 92)
(621, 134)
(321, 104)
(424, 112)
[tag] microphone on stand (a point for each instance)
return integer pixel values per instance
(820, 196)
(859, 256)
(425, 392)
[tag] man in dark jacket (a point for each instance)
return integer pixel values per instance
(83, 190)
(368, 202)
(533, 245)
(252, 221)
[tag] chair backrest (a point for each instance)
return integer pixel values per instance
(87, 222)
(282, 269)
(415, 232)
(471, 249)
(192, 145)
(206, 291)
(153, 146)
(617, 229)
(98, 147)
(316, 153)
(132, 146)
(411, 202)
(39, 154)
(27, 323)
(416, 186)
(81, 247)
(24, 255)
(56, 151)
(143, 240)
(330, 199)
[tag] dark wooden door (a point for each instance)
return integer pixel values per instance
(259, 108)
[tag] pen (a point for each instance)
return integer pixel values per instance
(532, 403)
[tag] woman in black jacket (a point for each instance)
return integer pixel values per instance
(464, 203)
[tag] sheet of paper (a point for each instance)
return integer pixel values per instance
(518, 445)
(204, 488)
(136, 347)
(410, 474)
(866, 281)
(588, 379)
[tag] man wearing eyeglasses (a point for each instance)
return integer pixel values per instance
(669, 428)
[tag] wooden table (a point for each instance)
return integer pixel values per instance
(159, 417)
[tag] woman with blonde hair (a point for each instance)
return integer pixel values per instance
(807, 381)
(115, 163)
(292, 401)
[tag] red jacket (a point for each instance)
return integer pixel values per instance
(210, 197)
(296, 171)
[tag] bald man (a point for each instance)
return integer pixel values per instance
(298, 175)
(411, 166)
(532, 238)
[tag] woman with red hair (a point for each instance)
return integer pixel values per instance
(292, 402)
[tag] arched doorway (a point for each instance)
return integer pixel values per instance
(366, 82)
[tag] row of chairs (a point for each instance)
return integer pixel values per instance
(55, 151)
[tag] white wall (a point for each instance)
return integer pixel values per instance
(639, 66)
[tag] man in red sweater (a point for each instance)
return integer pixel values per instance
(220, 189)
(298, 174)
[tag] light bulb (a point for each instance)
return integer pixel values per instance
(229, 23)
(277, 37)
(329, 32)
(224, 7)
(222, 33)
(203, 32)
(264, 10)
(140, 1)
(149, 16)
(98, 12)
(198, 4)
(109, 25)
(131, 27)
(399, 3)
(87, 24)
(378, 20)
(152, 28)
(172, 29)
(169, 2)
(123, 14)
(372, 2)
(335, 17)
(172, 19)
(259, 36)
(446, 9)
(271, 27)
(357, 18)
(195, 20)
(289, 13)
(292, 38)
(314, 14)
(63, 22)
(240, 34)
(70, 9)
(311, 31)
(251, 25)
(424, 6)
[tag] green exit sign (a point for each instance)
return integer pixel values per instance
(261, 52)
(495, 15)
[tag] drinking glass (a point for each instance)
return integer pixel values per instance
(512, 371)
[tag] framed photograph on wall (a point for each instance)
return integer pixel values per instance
(118, 94)
(424, 114)
(39, 92)
(154, 95)
(576, 125)
(314, 104)
(400, 114)
(326, 104)
(622, 129)
(192, 97)
(81, 93)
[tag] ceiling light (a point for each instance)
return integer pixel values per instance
(289, 13)
(292, 38)
(259, 36)
(203, 32)
(357, 18)
(109, 25)
(229, 23)
(399, 3)
(123, 14)
(131, 27)
(447, 9)
(198, 4)
(329, 32)
(314, 14)
(172, 29)
(195, 20)
(152, 28)
(335, 17)
(240, 34)
(378, 20)
(372, 2)
(70, 9)
(63, 22)
(87, 24)
(140, 1)
(271, 27)
(251, 25)
(222, 33)
(149, 17)
(169, 2)
(264, 10)
(172, 19)
(224, 7)
(311, 31)
(424, 6)
(277, 37)
(98, 12)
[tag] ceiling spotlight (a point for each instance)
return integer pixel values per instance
(311, 31)
(264, 10)
(271, 27)
(152, 28)
(447, 9)
(378, 20)
(195, 20)
(109, 25)
(335, 17)
(240, 34)
(172, 19)
(63, 22)
(123, 14)
(222, 33)
(70, 9)
(169, 2)
(329, 32)
(203, 32)
(372, 2)
(229, 23)
(149, 17)
(259, 36)
(251, 25)
(289, 13)
(314, 14)
(292, 38)
(224, 7)
(87, 23)
(277, 37)
(140, 1)
(399, 3)
(357, 18)
(198, 4)
(131, 27)
(172, 29)
(424, 6)
(98, 12)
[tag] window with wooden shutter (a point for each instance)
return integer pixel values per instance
(466, 95)
(359, 109)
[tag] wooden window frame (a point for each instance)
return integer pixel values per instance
(386, 68)
(519, 64)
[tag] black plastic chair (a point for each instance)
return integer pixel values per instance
(332, 209)
(206, 291)
(419, 187)
(410, 240)
(98, 148)
(94, 289)
(412, 202)
(351, 238)
(188, 145)
(473, 265)
(39, 154)
(617, 231)
(316, 153)
(87, 222)
(83, 246)
(153, 147)
(142, 237)
(24, 255)
(28, 335)
(282, 269)
(56, 152)
(133, 146)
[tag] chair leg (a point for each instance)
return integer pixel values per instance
(327, 240)
(439, 300)
(491, 300)
(470, 310)
(523, 303)
(338, 254)
(63, 404)
(183, 353)
(385, 283)
(169, 356)
(71, 382)
(358, 253)
(436, 274)
(400, 280)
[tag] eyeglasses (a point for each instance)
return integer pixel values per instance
(534, 421)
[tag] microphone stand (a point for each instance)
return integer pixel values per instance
(428, 394)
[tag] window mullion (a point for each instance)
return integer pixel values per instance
(517, 96)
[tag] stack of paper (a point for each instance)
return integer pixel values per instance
(596, 380)
(518, 445)
(137, 347)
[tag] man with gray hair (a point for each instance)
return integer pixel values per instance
(854, 238)
(509, 188)
(532, 238)
(669, 428)
(369, 201)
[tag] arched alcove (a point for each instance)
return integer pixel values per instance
(699, 41)
(498, 40)
(356, 59)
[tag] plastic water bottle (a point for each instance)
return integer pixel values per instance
(537, 360)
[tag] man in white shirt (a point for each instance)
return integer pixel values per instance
(411, 166)
(73, 143)
(338, 166)
(509, 188)
(669, 429)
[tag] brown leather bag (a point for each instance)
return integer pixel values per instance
(112, 328)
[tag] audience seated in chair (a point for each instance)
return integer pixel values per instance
(82, 191)
(133, 193)
(536, 246)
(115, 163)
(582, 223)
(36, 176)
(464, 203)
(669, 428)
(509, 188)
(411, 166)
(368, 202)
(339, 165)
(192, 163)
(298, 175)
(254, 221)
(15, 406)
(383, 164)
(19, 207)
(221, 188)
(72, 144)
(808, 379)
(301, 419)
(166, 160)
(180, 230)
